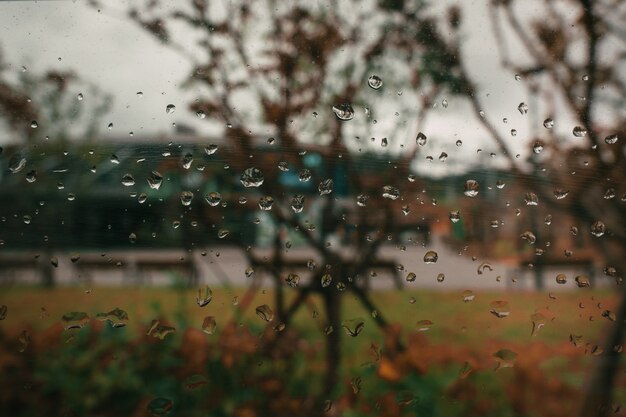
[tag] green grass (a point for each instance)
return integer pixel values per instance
(460, 331)
(463, 323)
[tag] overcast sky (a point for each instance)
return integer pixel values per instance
(122, 59)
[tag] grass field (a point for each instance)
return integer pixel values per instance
(466, 323)
(75, 363)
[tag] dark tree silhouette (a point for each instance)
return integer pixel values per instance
(572, 65)
(300, 72)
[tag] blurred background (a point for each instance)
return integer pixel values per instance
(342, 208)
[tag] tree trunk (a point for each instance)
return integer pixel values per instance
(599, 393)
(332, 304)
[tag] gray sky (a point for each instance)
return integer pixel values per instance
(122, 59)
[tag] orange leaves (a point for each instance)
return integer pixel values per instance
(389, 371)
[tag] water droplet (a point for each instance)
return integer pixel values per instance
(483, 267)
(249, 272)
(204, 297)
(579, 131)
(213, 198)
(500, 184)
(375, 82)
(187, 160)
(576, 340)
(210, 149)
(293, 280)
(582, 281)
(353, 327)
(410, 277)
(548, 123)
(186, 197)
(538, 320)
(170, 108)
(132, 238)
(265, 312)
(344, 111)
(518, 77)
(31, 176)
(455, 216)
(609, 193)
(444, 103)
(209, 325)
(200, 114)
(326, 280)
(160, 407)
(361, 200)
(421, 139)
(297, 203)
(391, 192)
(116, 317)
(252, 177)
(611, 139)
(471, 188)
(79, 97)
(531, 199)
(356, 384)
(505, 358)
(468, 295)
(529, 237)
(114, 159)
(500, 309)
(609, 315)
(384, 142)
(34, 124)
(304, 175)
(266, 203)
(513, 132)
(74, 320)
(3, 312)
(538, 147)
(24, 340)
(222, 233)
(441, 277)
(431, 257)
(560, 194)
(598, 228)
(128, 180)
(159, 331)
(155, 179)
(17, 163)
(325, 187)
(522, 108)
(443, 157)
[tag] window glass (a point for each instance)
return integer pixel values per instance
(322, 208)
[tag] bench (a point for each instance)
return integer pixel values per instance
(301, 264)
(541, 263)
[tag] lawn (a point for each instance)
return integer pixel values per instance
(467, 323)
(444, 335)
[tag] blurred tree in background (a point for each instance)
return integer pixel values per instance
(305, 73)
(570, 56)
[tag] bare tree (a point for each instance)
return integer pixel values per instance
(571, 55)
(306, 74)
